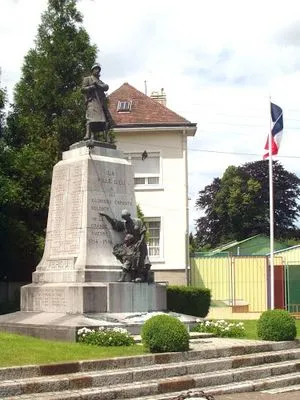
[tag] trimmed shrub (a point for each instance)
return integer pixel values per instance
(188, 300)
(163, 333)
(276, 325)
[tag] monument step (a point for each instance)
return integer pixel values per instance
(195, 337)
(166, 390)
(258, 385)
(291, 388)
(241, 355)
(237, 387)
(158, 379)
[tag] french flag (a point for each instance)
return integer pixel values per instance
(276, 131)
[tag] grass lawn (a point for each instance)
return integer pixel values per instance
(18, 350)
(250, 328)
(21, 350)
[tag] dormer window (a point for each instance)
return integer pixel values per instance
(124, 106)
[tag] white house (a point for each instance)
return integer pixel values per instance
(154, 139)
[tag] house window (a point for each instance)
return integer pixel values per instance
(147, 171)
(124, 106)
(153, 227)
(154, 180)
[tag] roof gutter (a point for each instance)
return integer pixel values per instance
(189, 130)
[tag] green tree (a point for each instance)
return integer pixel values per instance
(237, 205)
(47, 116)
(140, 213)
(48, 104)
(2, 106)
(10, 191)
(141, 216)
(192, 244)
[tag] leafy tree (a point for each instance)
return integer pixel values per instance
(236, 206)
(2, 105)
(192, 243)
(47, 116)
(48, 102)
(141, 216)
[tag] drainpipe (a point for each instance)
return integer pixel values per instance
(187, 253)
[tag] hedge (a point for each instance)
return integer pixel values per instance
(188, 300)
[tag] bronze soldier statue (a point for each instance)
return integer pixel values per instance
(133, 253)
(98, 118)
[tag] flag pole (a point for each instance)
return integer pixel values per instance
(271, 207)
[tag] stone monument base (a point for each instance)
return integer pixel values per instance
(57, 310)
(64, 327)
(76, 282)
(93, 297)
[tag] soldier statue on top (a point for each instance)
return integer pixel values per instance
(98, 118)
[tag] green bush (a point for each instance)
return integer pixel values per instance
(105, 337)
(188, 300)
(276, 325)
(163, 333)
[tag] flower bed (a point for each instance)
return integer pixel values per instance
(221, 328)
(105, 336)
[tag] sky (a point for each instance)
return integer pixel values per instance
(218, 61)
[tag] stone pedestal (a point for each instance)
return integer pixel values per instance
(87, 298)
(79, 242)
(136, 297)
(78, 272)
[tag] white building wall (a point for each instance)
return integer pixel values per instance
(168, 200)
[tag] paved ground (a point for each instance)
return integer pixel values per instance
(260, 396)
(216, 342)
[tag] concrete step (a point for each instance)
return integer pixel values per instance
(257, 385)
(145, 373)
(151, 381)
(292, 388)
(240, 387)
(153, 375)
(150, 391)
(194, 336)
(203, 352)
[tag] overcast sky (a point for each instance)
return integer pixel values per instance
(218, 62)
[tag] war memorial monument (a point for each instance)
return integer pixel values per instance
(95, 269)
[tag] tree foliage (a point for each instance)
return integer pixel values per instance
(2, 105)
(236, 206)
(48, 102)
(47, 116)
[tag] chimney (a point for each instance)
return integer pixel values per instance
(160, 97)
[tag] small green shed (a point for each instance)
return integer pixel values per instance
(258, 245)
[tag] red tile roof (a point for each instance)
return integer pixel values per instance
(145, 111)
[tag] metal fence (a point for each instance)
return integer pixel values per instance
(238, 281)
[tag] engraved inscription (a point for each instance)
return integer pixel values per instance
(110, 195)
(56, 220)
(50, 298)
(78, 195)
(65, 211)
(62, 263)
(74, 214)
